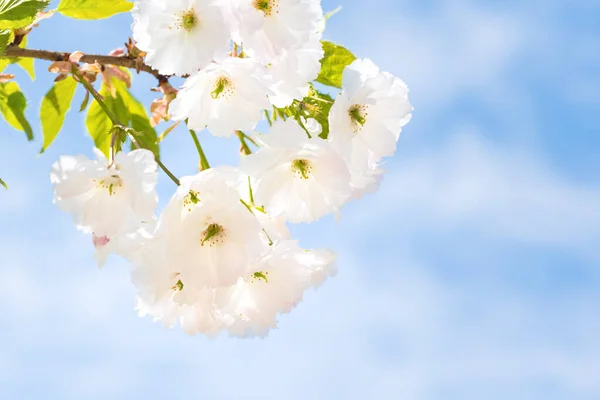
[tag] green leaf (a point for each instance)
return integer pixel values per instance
(336, 59)
(55, 105)
(5, 39)
(318, 105)
(15, 14)
(99, 125)
(12, 106)
(93, 9)
(3, 184)
(128, 111)
(25, 63)
(139, 121)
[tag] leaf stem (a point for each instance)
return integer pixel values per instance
(95, 94)
(204, 165)
(268, 116)
(245, 150)
(160, 164)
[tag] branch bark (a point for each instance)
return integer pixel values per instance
(121, 61)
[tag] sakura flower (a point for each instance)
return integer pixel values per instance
(210, 235)
(169, 296)
(128, 245)
(275, 287)
(268, 27)
(106, 199)
(180, 36)
(293, 71)
(297, 178)
(223, 97)
(370, 111)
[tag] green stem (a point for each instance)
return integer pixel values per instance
(321, 100)
(245, 150)
(268, 116)
(169, 173)
(250, 191)
(107, 111)
(115, 121)
(95, 94)
(160, 164)
(204, 165)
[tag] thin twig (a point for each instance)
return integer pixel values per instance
(121, 61)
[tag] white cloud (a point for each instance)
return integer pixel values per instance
(391, 329)
(490, 188)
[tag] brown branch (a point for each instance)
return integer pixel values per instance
(121, 61)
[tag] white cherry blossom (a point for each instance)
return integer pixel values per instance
(275, 287)
(293, 71)
(370, 111)
(269, 27)
(107, 200)
(180, 36)
(297, 178)
(224, 97)
(209, 234)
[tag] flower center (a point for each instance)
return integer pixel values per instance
(358, 115)
(302, 168)
(178, 286)
(191, 199)
(223, 88)
(267, 6)
(111, 183)
(213, 234)
(188, 20)
(259, 275)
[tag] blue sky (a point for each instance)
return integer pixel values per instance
(472, 274)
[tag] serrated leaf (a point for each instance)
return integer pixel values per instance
(3, 184)
(15, 14)
(93, 9)
(12, 106)
(336, 59)
(53, 110)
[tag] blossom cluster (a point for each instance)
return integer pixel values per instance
(219, 257)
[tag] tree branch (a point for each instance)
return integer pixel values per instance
(121, 61)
